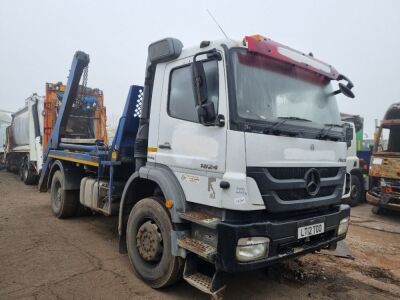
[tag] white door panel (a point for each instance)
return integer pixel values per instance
(191, 148)
(203, 189)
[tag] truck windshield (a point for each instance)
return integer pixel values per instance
(389, 139)
(269, 90)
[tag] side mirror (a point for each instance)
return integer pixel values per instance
(345, 90)
(199, 83)
(205, 108)
(349, 135)
(206, 113)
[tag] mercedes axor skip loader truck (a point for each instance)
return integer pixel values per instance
(232, 157)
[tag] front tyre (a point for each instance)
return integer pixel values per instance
(356, 192)
(148, 240)
(64, 203)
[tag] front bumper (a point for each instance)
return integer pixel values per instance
(283, 238)
(385, 201)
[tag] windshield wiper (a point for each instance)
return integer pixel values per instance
(327, 129)
(283, 120)
(294, 118)
(274, 129)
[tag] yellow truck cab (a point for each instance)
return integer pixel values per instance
(384, 171)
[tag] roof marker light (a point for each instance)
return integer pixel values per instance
(304, 59)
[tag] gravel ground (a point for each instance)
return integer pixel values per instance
(42, 257)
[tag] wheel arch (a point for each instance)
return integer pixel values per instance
(147, 180)
(72, 175)
(359, 173)
(365, 183)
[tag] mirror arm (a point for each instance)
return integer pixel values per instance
(219, 121)
(210, 54)
(334, 93)
(350, 84)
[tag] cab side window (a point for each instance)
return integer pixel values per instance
(181, 104)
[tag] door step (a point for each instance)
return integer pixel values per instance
(204, 283)
(201, 218)
(198, 247)
(210, 285)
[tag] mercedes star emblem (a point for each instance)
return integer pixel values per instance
(312, 179)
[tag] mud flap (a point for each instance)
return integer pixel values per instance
(342, 250)
(122, 247)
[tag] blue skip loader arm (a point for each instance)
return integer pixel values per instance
(79, 63)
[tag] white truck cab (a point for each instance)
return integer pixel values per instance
(355, 194)
(273, 121)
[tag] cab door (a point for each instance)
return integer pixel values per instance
(195, 153)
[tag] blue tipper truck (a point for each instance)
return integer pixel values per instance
(197, 189)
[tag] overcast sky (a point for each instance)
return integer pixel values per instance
(38, 40)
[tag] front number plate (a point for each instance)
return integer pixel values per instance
(309, 230)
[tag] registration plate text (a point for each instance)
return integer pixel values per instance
(310, 230)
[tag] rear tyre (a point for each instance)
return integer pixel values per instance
(27, 172)
(64, 203)
(148, 242)
(377, 210)
(21, 170)
(8, 166)
(356, 191)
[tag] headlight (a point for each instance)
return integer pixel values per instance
(343, 226)
(252, 248)
(383, 182)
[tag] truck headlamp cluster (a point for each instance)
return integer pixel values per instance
(343, 226)
(252, 248)
(387, 186)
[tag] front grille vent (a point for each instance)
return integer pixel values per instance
(298, 194)
(299, 173)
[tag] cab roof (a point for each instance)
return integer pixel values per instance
(264, 46)
(393, 113)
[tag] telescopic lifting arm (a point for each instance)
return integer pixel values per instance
(79, 63)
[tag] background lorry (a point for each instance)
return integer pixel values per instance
(384, 172)
(357, 161)
(23, 150)
(31, 127)
(5, 121)
(232, 157)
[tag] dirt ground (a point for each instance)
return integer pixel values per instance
(42, 257)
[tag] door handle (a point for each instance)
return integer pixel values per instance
(166, 145)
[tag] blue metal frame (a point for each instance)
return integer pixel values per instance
(125, 136)
(122, 146)
(128, 125)
(85, 158)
